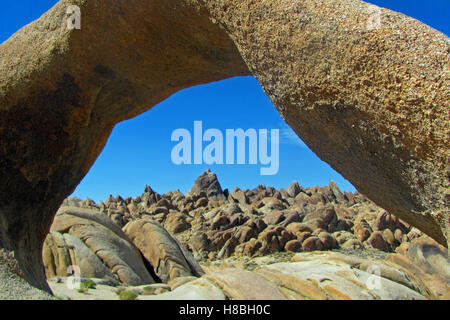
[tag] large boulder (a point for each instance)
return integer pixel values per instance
(63, 251)
(370, 100)
(169, 258)
(428, 264)
(315, 278)
(239, 196)
(326, 215)
(176, 222)
(208, 183)
(294, 189)
(102, 245)
(238, 284)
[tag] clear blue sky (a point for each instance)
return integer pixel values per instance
(138, 151)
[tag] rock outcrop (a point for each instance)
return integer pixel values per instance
(305, 276)
(90, 240)
(208, 184)
(62, 252)
(349, 248)
(87, 239)
(169, 258)
(371, 101)
(268, 221)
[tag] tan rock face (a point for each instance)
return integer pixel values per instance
(63, 251)
(240, 284)
(372, 103)
(428, 264)
(91, 241)
(163, 251)
(352, 104)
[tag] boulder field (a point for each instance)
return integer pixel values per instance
(294, 243)
(370, 101)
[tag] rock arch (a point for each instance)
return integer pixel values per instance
(372, 102)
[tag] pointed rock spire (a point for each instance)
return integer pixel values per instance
(294, 189)
(208, 183)
(336, 192)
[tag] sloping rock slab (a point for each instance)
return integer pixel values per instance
(168, 257)
(238, 284)
(326, 279)
(104, 238)
(63, 251)
(200, 289)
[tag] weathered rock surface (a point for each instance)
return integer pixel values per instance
(199, 289)
(238, 284)
(372, 102)
(428, 264)
(329, 70)
(244, 257)
(63, 251)
(322, 280)
(91, 241)
(208, 183)
(12, 284)
(169, 258)
(268, 221)
(307, 276)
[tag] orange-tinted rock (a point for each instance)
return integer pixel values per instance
(313, 244)
(293, 246)
(377, 241)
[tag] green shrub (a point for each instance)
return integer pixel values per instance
(87, 284)
(82, 290)
(127, 295)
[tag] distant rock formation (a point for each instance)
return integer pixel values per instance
(208, 183)
(247, 226)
